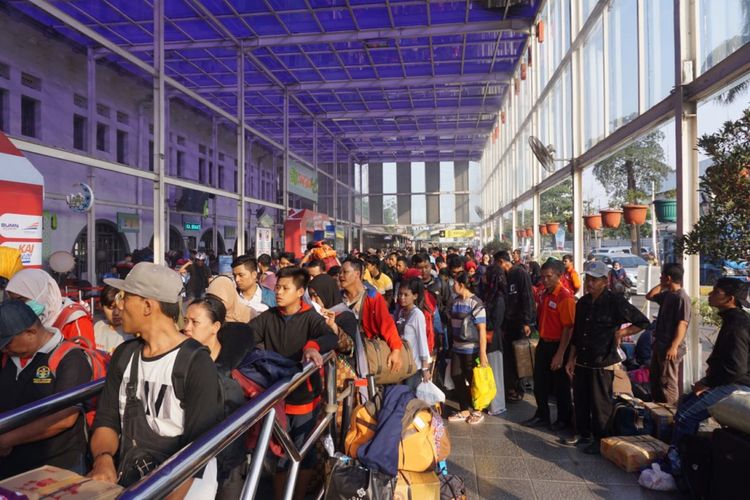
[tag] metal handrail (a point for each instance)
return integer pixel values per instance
(23, 414)
(189, 460)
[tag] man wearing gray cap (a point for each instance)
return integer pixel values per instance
(599, 317)
(26, 375)
(162, 390)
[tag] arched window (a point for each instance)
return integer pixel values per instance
(111, 247)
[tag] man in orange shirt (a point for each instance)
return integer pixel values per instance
(555, 318)
(570, 278)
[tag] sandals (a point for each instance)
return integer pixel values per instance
(475, 418)
(514, 397)
(461, 416)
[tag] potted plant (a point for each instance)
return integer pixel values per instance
(611, 217)
(543, 229)
(529, 232)
(593, 221)
(666, 209)
(634, 213)
(552, 227)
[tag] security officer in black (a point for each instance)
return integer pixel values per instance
(600, 315)
(25, 376)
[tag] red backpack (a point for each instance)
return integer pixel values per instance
(430, 304)
(98, 360)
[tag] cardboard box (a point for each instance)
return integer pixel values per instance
(53, 482)
(632, 453)
(662, 420)
(417, 485)
(525, 350)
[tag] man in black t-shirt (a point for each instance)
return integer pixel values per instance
(668, 347)
(162, 390)
(57, 439)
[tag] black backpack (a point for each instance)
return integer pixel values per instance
(629, 418)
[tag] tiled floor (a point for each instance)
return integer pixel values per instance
(501, 459)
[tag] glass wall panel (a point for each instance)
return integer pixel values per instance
(418, 201)
(593, 86)
(559, 30)
(659, 49)
(447, 201)
(623, 62)
(724, 28)
(588, 6)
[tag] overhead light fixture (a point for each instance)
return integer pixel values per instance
(341, 119)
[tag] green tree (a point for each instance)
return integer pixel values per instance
(556, 204)
(723, 231)
(629, 173)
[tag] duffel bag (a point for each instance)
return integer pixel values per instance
(377, 352)
(417, 451)
(361, 429)
(350, 479)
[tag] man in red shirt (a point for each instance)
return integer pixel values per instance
(570, 278)
(371, 309)
(555, 317)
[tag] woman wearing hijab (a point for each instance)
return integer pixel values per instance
(71, 318)
(224, 288)
(618, 279)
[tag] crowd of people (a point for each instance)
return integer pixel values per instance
(175, 332)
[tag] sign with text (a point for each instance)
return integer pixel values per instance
(303, 181)
(459, 233)
(192, 226)
(262, 241)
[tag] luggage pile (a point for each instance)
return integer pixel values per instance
(395, 447)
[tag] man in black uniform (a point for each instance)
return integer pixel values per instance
(519, 314)
(57, 439)
(593, 353)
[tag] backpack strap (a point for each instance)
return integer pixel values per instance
(59, 353)
(185, 355)
(67, 314)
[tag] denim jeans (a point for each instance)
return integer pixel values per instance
(691, 411)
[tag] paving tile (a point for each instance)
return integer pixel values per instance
(563, 470)
(521, 432)
(459, 429)
(461, 445)
(492, 432)
(500, 447)
(543, 449)
(500, 467)
(555, 490)
(501, 489)
(463, 465)
(603, 472)
(619, 492)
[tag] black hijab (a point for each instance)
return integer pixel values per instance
(327, 290)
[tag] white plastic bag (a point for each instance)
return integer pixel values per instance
(429, 393)
(656, 479)
(448, 378)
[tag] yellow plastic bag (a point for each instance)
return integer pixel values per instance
(483, 388)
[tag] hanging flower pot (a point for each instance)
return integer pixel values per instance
(634, 214)
(543, 229)
(593, 221)
(611, 217)
(666, 210)
(529, 232)
(552, 227)
(520, 233)
(570, 225)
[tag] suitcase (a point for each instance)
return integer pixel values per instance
(661, 420)
(696, 459)
(731, 463)
(525, 350)
(632, 453)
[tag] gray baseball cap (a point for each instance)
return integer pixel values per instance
(151, 281)
(596, 269)
(15, 317)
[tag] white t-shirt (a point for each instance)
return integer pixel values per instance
(256, 301)
(108, 337)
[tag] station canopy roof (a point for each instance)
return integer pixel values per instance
(394, 80)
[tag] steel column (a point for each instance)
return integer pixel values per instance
(91, 214)
(686, 139)
(514, 226)
(315, 156)
(335, 182)
(214, 181)
(159, 133)
(241, 181)
(285, 179)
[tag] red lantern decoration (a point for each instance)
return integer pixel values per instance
(502, 117)
(540, 31)
(523, 71)
(517, 85)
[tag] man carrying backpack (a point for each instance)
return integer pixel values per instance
(162, 390)
(296, 331)
(26, 376)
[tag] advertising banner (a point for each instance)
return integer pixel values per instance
(21, 200)
(303, 181)
(128, 223)
(262, 241)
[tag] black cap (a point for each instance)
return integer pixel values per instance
(15, 317)
(736, 288)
